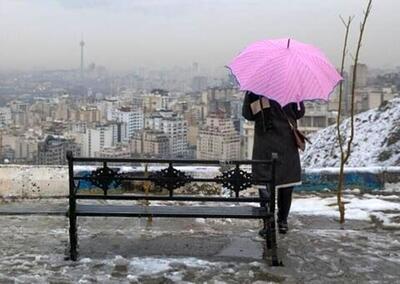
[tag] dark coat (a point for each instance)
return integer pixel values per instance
(273, 134)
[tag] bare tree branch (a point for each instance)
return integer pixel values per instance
(343, 21)
(353, 87)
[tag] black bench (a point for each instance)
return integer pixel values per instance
(107, 176)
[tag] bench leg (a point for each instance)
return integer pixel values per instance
(268, 193)
(268, 237)
(73, 238)
(271, 237)
(265, 196)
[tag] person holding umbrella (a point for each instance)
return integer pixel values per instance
(273, 134)
(278, 75)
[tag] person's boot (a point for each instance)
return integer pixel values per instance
(284, 203)
(283, 227)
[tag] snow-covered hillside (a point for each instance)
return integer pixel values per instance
(376, 141)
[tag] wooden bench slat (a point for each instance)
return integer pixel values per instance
(246, 212)
(18, 209)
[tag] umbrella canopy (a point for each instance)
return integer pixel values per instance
(285, 70)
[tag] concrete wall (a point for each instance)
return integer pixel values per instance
(365, 179)
(46, 181)
(33, 181)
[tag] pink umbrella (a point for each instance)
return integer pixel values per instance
(285, 70)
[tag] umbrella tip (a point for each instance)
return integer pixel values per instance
(288, 43)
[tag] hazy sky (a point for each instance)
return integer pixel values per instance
(123, 34)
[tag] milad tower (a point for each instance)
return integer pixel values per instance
(82, 44)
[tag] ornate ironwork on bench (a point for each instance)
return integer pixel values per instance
(106, 177)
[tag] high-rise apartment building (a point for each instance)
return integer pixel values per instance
(5, 116)
(199, 83)
(152, 143)
(99, 136)
(155, 101)
(218, 139)
(175, 127)
(88, 114)
(316, 117)
(106, 107)
(248, 140)
(362, 75)
(120, 151)
(53, 150)
(132, 119)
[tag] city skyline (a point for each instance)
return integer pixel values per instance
(123, 35)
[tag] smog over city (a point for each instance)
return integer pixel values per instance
(126, 34)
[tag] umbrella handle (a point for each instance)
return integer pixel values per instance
(288, 43)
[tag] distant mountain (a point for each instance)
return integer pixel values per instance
(376, 141)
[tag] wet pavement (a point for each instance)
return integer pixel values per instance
(131, 250)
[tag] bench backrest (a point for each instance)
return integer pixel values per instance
(109, 175)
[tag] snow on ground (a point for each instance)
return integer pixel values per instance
(336, 170)
(358, 207)
(376, 141)
(392, 187)
(127, 169)
(132, 250)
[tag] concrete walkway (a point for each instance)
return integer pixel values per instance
(123, 250)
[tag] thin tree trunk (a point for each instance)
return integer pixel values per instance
(147, 187)
(345, 157)
(341, 177)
